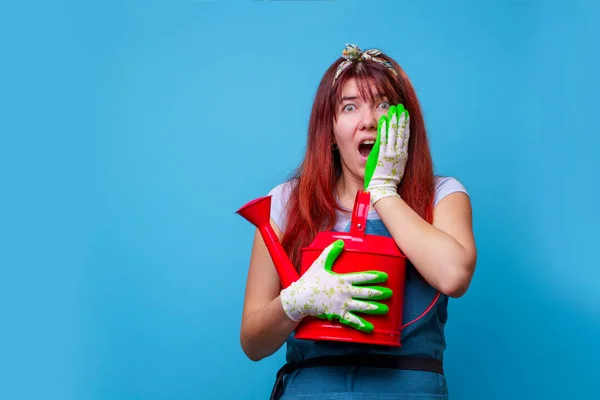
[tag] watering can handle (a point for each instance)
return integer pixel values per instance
(360, 213)
(435, 299)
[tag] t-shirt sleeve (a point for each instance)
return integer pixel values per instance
(280, 195)
(446, 185)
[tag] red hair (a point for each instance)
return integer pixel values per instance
(312, 203)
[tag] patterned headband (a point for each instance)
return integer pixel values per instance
(353, 53)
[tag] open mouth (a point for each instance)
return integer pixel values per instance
(365, 147)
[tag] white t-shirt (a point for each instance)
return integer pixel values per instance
(444, 185)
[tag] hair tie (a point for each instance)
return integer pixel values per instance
(353, 53)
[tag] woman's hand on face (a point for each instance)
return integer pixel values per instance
(387, 161)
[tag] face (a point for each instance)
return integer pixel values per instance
(355, 127)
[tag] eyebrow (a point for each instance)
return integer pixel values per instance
(375, 96)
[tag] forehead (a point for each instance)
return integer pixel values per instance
(352, 87)
(364, 89)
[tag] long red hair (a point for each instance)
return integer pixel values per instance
(312, 203)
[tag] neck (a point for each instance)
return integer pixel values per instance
(347, 187)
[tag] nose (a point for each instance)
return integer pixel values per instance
(368, 120)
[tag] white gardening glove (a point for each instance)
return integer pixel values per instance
(325, 294)
(387, 161)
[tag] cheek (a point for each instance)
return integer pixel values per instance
(380, 114)
(344, 130)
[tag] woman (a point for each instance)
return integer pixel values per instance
(366, 132)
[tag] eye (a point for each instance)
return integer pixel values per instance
(348, 108)
(385, 105)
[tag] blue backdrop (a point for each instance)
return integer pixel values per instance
(132, 131)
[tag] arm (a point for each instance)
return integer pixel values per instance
(265, 326)
(445, 252)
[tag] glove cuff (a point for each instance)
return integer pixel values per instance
(379, 193)
(290, 308)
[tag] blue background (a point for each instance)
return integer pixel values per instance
(132, 131)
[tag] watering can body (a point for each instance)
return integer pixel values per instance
(361, 252)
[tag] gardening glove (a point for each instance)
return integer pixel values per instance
(325, 294)
(387, 161)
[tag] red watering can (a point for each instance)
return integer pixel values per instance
(361, 252)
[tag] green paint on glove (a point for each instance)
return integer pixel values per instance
(387, 161)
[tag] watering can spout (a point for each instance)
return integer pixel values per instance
(258, 212)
